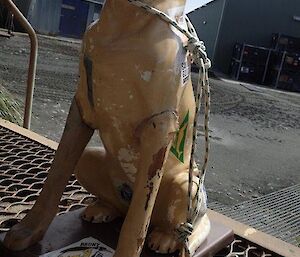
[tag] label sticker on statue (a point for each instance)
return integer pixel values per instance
(185, 72)
(178, 145)
(88, 247)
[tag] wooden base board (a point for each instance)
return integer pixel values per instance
(69, 228)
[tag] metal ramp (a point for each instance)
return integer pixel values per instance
(25, 158)
(277, 214)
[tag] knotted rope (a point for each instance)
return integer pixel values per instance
(199, 56)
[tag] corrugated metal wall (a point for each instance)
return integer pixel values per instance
(253, 22)
(206, 21)
(23, 5)
(44, 15)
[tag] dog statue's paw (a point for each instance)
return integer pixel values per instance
(22, 235)
(99, 212)
(31, 229)
(163, 242)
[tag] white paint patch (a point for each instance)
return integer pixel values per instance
(172, 209)
(249, 232)
(171, 212)
(176, 14)
(130, 97)
(130, 170)
(116, 124)
(126, 157)
(146, 75)
(127, 154)
(162, 59)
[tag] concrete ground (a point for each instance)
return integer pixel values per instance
(255, 132)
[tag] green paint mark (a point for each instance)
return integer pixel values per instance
(179, 142)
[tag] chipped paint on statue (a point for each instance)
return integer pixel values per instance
(127, 157)
(146, 75)
(130, 170)
(177, 15)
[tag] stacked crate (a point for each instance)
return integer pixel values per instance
(285, 43)
(249, 63)
(278, 66)
(284, 67)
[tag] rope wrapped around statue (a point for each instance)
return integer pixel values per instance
(198, 53)
(135, 89)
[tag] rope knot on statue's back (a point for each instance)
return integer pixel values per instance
(198, 51)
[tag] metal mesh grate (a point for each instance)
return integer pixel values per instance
(276, 214)
(24, 165)
(243, 248)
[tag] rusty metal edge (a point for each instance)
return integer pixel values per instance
(262, 239)
(29, 134)
(257, 237)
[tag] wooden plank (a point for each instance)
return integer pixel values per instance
(29, 134)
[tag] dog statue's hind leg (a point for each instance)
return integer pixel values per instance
(32, 228)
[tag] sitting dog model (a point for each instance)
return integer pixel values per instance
(135, 89)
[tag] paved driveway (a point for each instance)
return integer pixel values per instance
(255, 132)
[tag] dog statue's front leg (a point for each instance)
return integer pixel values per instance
(32, 228)
(155, 135)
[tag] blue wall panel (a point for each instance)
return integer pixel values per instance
(44, 15)
(74, 14)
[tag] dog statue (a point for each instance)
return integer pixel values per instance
(135, 89)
